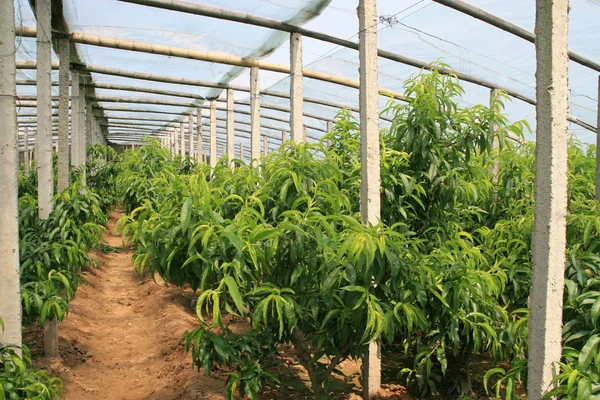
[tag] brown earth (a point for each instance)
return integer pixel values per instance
(122, 341)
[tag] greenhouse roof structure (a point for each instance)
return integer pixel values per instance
(411, 34)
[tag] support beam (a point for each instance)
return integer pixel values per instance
(255, 117)
(215, 57)
(199, 142)
(370, 208)
(506, 26)
(76, 159)
(193, 96)
(26, 159)
(44, 140)
(176, 139)
(213, 134)
(550, 210)
(182, 139)
(44, 115)
(10, 306)
(63, 115)
(296, 89)
(265, 146)
(230, 126)
(191, 134)
(197, 9)
(495, 166)
(598, 146)
(83, 143)
(196, 83)
(89, 115)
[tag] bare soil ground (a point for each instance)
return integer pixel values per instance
(122, 341)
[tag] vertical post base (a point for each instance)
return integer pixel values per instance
(51, 338)
(372, 371)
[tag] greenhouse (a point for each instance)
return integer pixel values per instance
(303, 199)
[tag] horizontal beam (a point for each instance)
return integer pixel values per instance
(509, 27)
(199, 83)
(198, 97)
(207, 11)
(191, 82)
(207, 56)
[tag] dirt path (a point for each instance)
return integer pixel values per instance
(121, 339)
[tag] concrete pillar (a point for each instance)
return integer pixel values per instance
(242, 151)
(44, 140)
(265, 146)
(63, 115)
(81, 116)
(191, 134)
(10, 306)
(296, 89)
(182, 138)
(199, 142)
(176, 140)
(230, 126)
(550, 210)
(98, 132)
(255, 116)
(213, 133)
(26, 160)
(495, 167)
(329, 130)
(369, 157)
(598, 146)
(88, 123)
(283, 137)
(44, 113)
(76, 161)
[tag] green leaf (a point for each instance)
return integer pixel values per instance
(186, 214)
(588, 353)
(584, 389)
(234, 239)
(234, 293)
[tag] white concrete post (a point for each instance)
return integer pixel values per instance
(598, 146)
(283, 137)
(255, 116)
(182, 132)
(172, 141)
(199, 142)
(265, 146)
(44, 140)
(76, 160)
(242, 151)
(329, 130)
(495, 167)
(213, 133)
(88, 123)
(296, 89)
(81, 117)
(230, 127)
(369, 156)
(63, 115)
(44, 110)
(191, 135)
(550, 210)
(176, 140)
(10, 287)
(26, 160)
